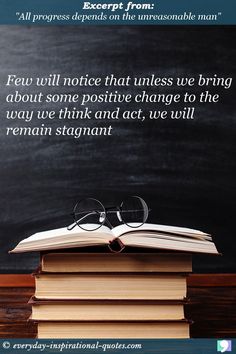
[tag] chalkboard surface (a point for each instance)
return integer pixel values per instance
(185, 170)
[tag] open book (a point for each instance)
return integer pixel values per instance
(147, 236)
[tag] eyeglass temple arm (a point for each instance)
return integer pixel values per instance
(109, 209)
(116, 209)
(71, 227)
(112, 209)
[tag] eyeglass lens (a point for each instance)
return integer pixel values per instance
(134, 211)
(89, 214)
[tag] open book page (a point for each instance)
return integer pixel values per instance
(64, 238)
(164, 243)
(157, 228)
(157, 235)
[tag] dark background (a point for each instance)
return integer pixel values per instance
(185, 170)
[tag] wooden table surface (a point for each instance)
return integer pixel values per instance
(212, 306)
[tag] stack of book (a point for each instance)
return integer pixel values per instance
(114, 295)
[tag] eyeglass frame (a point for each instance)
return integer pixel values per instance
(107, 210)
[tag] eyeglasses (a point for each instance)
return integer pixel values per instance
(90, 214)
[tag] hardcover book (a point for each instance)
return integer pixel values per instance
(69, 262)
(127, 286)
(106, 310)
(155, 329)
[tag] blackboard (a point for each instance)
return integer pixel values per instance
(184, 170)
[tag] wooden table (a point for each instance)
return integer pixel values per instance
(212, 307)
